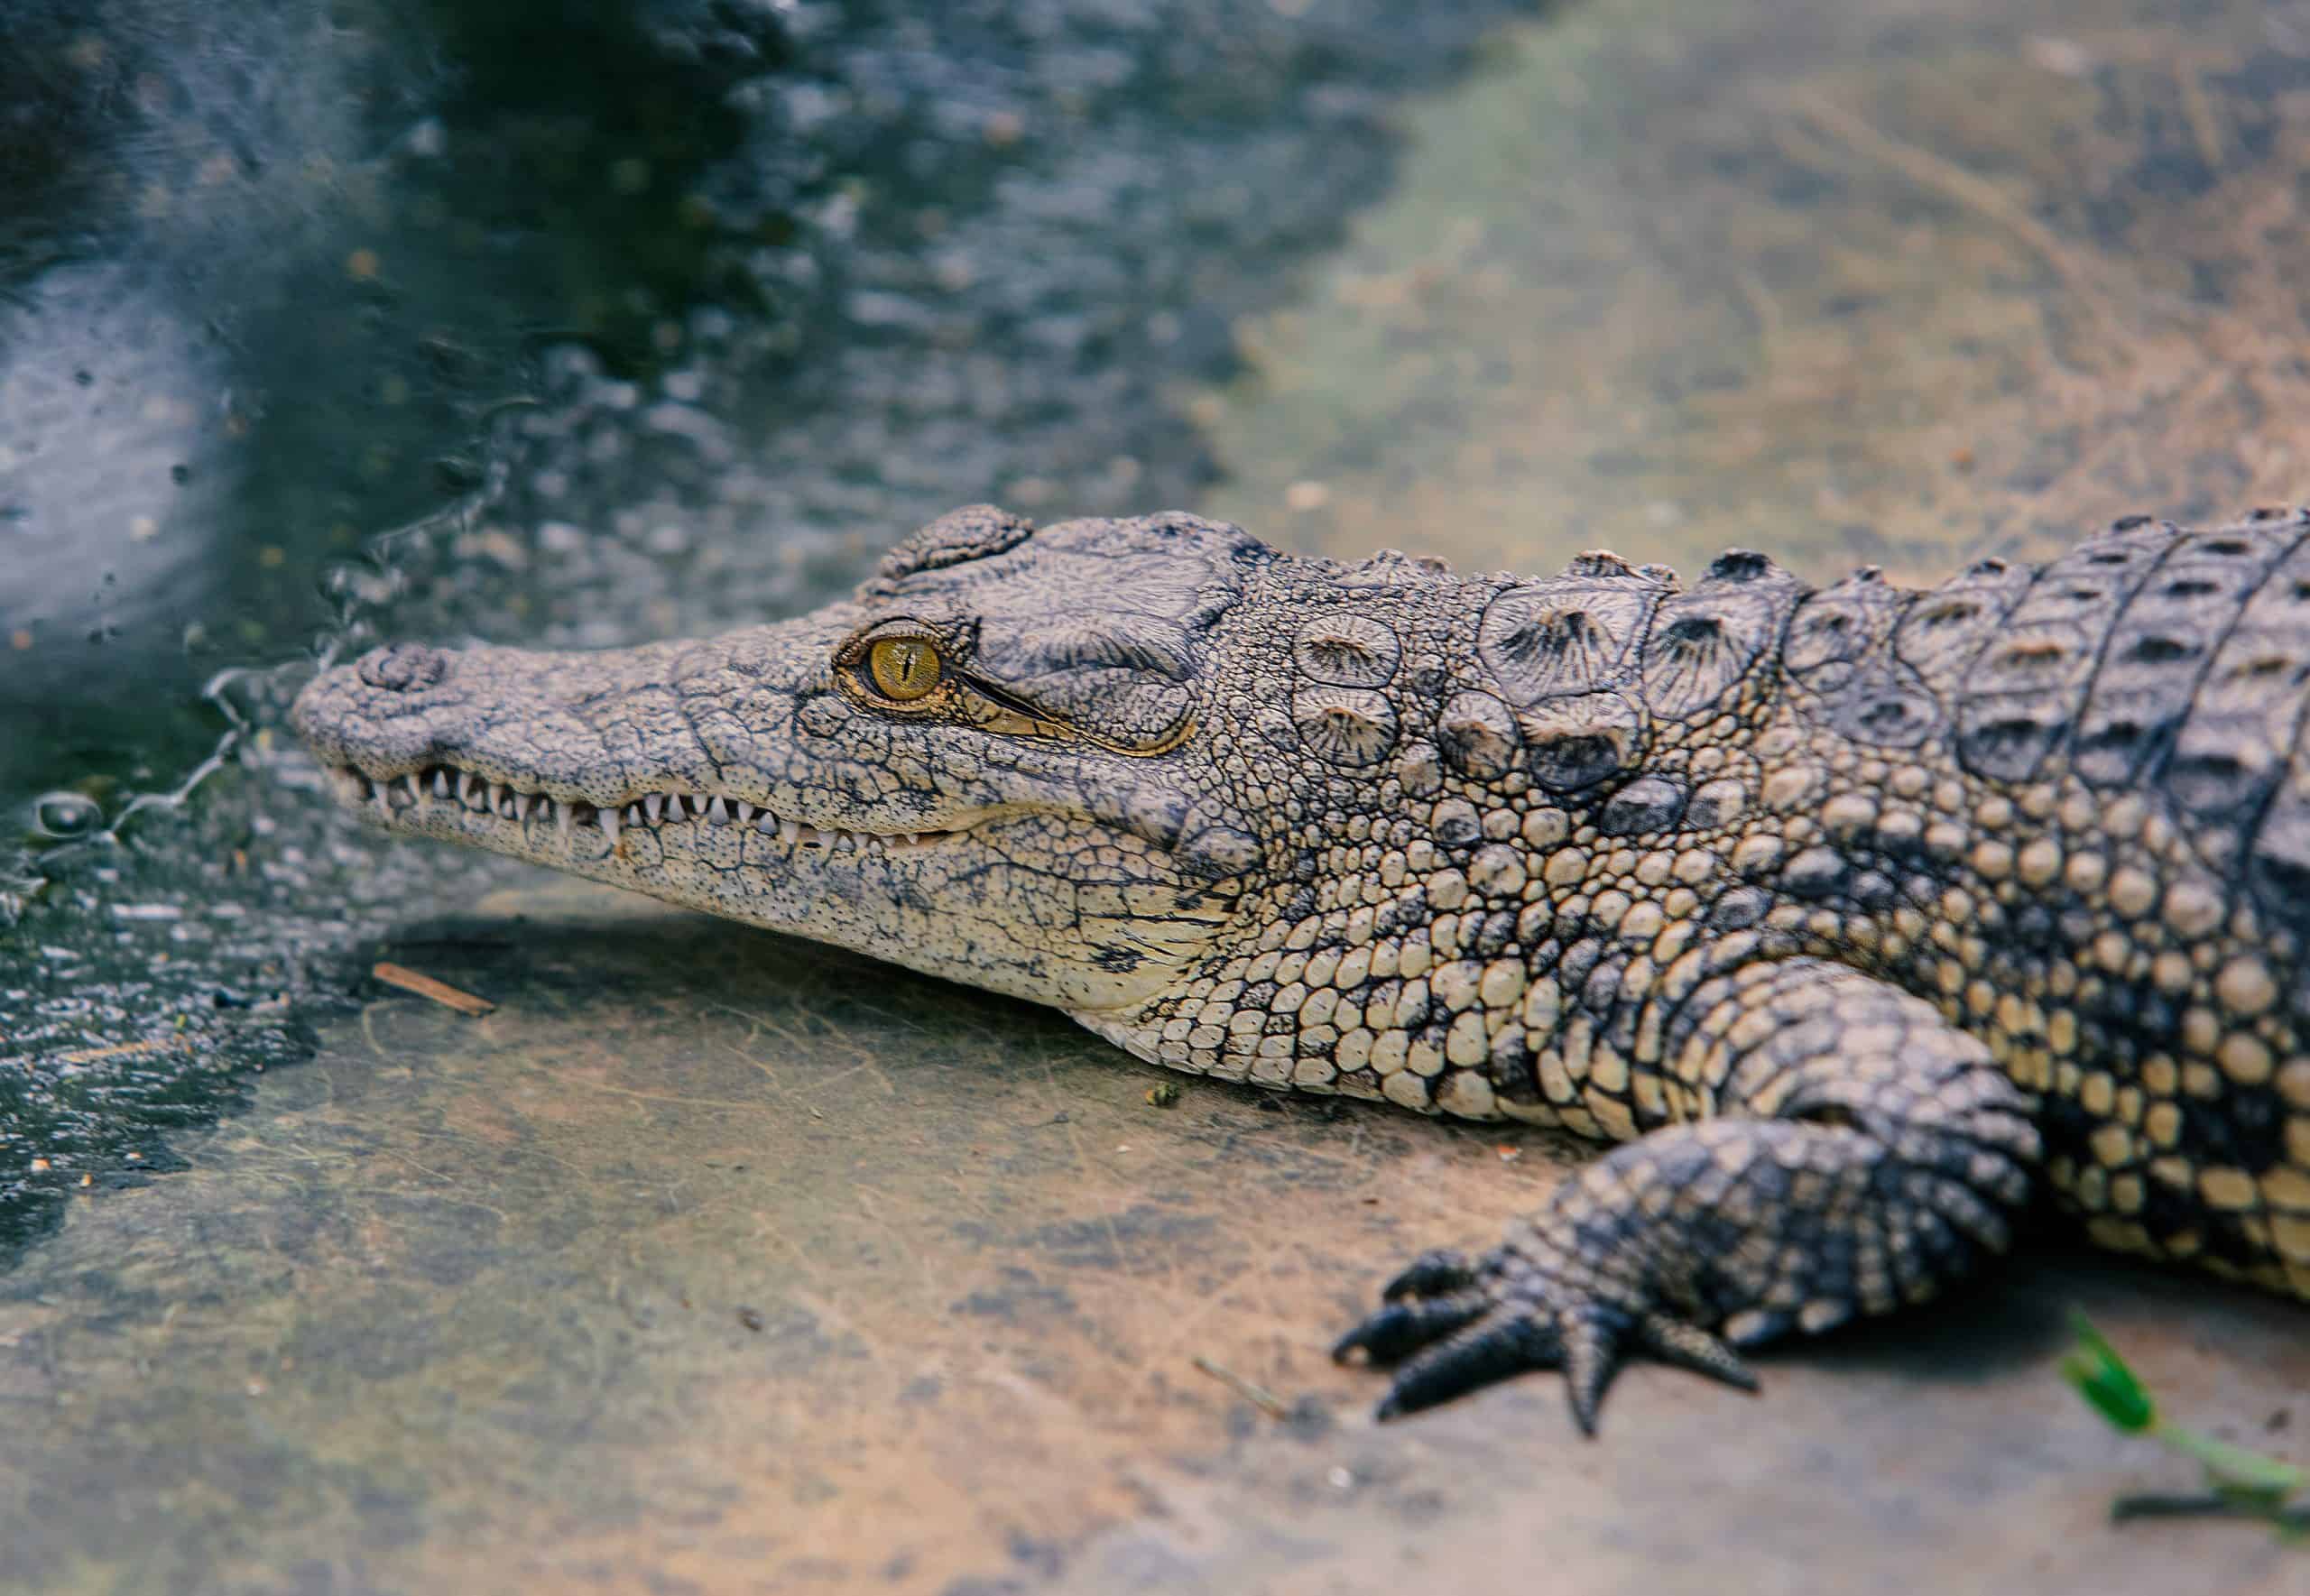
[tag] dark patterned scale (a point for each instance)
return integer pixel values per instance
(2234, 744)
(2020, 696)
(1839, 652)
(2160, 650)
(1703, 643)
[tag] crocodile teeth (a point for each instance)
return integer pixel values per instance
(502, 801)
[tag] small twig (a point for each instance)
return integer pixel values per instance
(2212, 1505)
(123, 1050)
(2197, 110)
(1259, 1396)
(425, 986)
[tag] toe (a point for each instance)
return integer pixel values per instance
(1404, 1327)
(1506, 1341)
(1688, 1346)
(1591, 1357)
(1432, 1274)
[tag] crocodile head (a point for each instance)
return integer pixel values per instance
(986, 764)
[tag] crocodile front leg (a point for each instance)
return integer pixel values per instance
(1862, 1154)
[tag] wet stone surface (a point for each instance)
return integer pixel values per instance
(711, 1260)
(721, 1262)
(1899, 283)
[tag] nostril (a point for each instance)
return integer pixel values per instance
(403, 668)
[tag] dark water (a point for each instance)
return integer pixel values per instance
(567, 324)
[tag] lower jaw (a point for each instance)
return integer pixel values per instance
(825, 890)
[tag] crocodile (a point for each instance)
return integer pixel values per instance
(1863, 921)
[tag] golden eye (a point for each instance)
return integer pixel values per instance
(904, 668)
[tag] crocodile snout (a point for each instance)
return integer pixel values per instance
(387, 709)
(403, 668)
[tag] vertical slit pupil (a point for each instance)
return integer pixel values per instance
(904, 668)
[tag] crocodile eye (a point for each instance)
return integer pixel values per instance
(904, 669)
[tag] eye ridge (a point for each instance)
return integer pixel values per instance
(914, 670)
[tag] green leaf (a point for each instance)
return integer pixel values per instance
(2103, 1378)
(2235, 1471)
(2246, 1480)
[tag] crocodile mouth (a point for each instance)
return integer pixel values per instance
(449, 792)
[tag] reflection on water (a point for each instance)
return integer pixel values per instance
(633, 319)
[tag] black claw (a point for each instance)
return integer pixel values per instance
(1431, 1273)
(1403, 1327)
(1504, 1342)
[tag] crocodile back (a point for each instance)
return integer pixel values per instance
(2152, 660)
(2104, 868)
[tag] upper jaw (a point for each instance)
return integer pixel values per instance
(556, 757)
(487, 745)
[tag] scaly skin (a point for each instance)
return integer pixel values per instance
(1856, 915)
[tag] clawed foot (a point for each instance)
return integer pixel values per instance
(1452, 1323)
